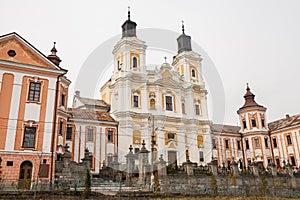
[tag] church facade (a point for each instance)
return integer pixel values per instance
(166, 107)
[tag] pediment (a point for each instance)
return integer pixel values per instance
(168, 82)
(166, 74)
(25, 53)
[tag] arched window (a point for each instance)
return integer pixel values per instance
(135, 100)
(134, 62)
(193, 73)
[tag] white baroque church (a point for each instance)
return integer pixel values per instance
(166, 107)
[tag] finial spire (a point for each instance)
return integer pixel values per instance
(182, 27)
(248, 87)
(128, 12)
(165, 59)
(53, 50)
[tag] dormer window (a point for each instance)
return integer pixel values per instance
(134, 62)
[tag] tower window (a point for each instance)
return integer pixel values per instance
(244, 124)
(266, 143)
(226, 144)
(239, 145)
(169, 104)
(256, 142)
(135, 101)
(253, 121)
(247, 144)
(134, 62)
(193, 73)
(263, 123)
(171, 136)
(289, 140)
(274, 143)
(34, 91)
(197, 109)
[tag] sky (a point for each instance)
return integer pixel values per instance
(255, 42)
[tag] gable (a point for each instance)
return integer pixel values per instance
(24, 53)
(166, 74)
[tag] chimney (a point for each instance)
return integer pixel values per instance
(77, 93)
(287, 116)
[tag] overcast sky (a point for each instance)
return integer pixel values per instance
(253, 41)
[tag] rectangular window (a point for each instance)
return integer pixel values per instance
(169, 104)
(135, 101)
(274, 142)
(226, 144)
(9, 163)
(171, 136)
(197, 108)
(29, 137)
(277, 162)
(110, 136)
(244, 124)
(239, 145)
(263, 123)
(266, 143)
(90, 137)
(214, 143)
(69, 133)
(293, 162)
(63, 99)
(61, 125)
(256, 142)
(247, 144)
(289, 140)
(253, 121)
(201, 156)
(34, 92)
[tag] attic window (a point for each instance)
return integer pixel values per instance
(11, 53)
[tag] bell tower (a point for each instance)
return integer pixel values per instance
(254, 130)
(187, 63)
(130, 52)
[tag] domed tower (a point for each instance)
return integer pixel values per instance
(187, 63)
(130, 52)
(254, 130)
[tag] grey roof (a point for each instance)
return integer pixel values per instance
(92, 102)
